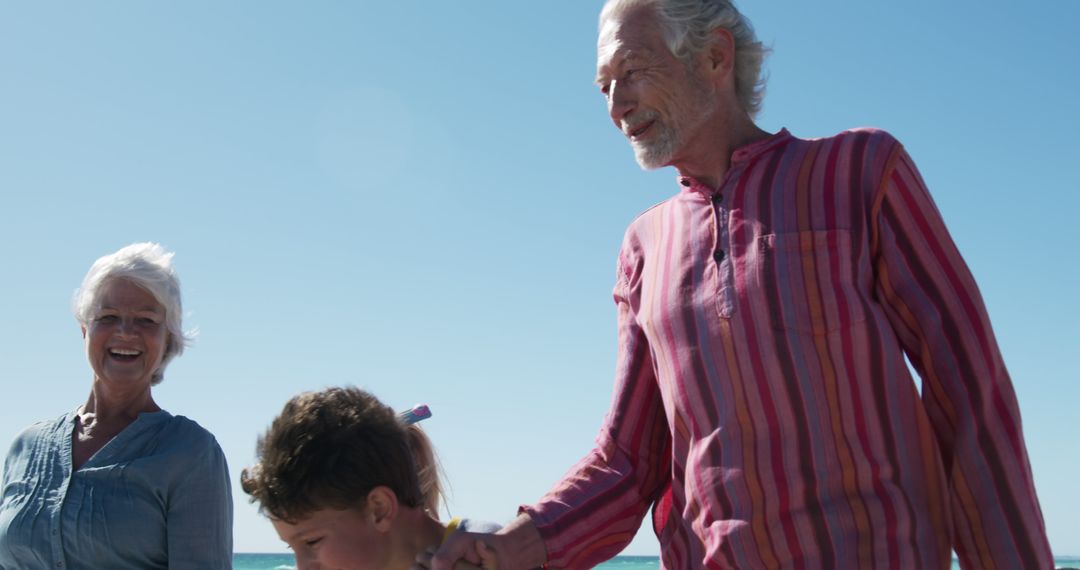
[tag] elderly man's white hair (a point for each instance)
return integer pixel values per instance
(149, 266)
(688, 25)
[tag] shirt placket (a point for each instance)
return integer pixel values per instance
(56, 509)
(721, 253)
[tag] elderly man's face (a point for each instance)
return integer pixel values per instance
(658, 102)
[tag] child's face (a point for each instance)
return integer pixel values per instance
(338, 540)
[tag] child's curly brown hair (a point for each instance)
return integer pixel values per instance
(329, 449)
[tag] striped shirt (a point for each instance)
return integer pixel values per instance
(762, 401)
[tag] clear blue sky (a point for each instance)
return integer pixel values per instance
(426, 199)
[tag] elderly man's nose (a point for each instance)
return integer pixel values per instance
(619, 102)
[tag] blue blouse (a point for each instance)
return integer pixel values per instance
(156, 496)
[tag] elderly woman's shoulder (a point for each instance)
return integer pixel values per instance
(44, 429)
(185, 436)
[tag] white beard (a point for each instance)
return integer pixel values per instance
(670, 133)
(659, 150)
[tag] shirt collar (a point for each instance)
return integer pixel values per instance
(741, 155)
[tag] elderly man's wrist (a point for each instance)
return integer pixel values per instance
(520, 545)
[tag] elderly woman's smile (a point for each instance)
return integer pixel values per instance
(124, 355)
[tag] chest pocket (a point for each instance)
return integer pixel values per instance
(810, 280)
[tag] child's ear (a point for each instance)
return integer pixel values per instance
(382, 508)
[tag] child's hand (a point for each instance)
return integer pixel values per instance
(487, 556)
(487, 559)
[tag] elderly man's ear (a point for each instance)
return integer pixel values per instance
(721, 52)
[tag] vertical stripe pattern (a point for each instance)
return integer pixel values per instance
(761, 388)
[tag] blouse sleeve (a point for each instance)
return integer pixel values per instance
(200, 513)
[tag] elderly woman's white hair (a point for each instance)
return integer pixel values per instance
(149, 266)
(688, 26)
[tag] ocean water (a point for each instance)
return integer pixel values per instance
(286, 562)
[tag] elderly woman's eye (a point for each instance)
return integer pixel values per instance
(106, 318)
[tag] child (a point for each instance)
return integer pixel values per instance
(347, 484)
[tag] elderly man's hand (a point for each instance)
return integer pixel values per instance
(461, 551)
(516, 547)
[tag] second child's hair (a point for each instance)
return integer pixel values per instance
(329, 449)
(428, 470)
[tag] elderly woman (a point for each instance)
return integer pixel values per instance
(118, 482)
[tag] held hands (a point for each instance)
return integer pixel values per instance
(517, 546)
(488, 561)
(475, 556)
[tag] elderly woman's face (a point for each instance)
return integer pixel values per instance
(126, 334)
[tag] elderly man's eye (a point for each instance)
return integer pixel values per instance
(106, 318)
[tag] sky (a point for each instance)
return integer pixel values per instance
(426, 199)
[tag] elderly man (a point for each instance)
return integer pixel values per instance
(762, 403)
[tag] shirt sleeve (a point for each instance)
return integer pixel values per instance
(14, 491)
(595, 510)
(935, 308)
(200, 513)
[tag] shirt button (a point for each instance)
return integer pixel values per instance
(717, 198)
(718, 255)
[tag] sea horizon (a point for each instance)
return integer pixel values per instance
(285, 561)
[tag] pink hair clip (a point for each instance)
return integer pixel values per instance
(417, 413)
